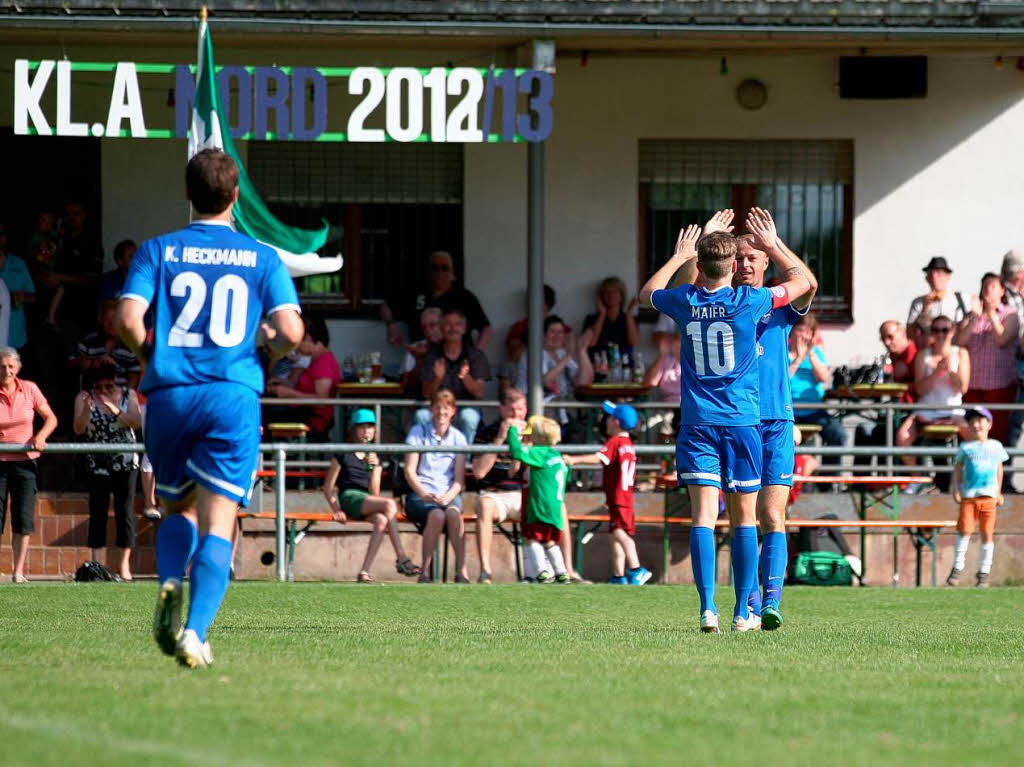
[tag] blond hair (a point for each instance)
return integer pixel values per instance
(545, 431)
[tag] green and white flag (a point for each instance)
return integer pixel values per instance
(210, 130)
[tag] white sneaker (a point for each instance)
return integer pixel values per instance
(152, 512)
(167, 618)
(750, 623)
(191, 652)
(709, 623)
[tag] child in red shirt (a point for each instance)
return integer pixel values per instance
(619, 460)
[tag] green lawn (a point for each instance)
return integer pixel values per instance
(533, 675)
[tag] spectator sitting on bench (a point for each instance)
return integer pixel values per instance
(352, 490)
(808, 376)
(455, 366)
(316, 381)
(430, 324)
(436, 481)
(942, 373)
(500, 479)
(901, 352)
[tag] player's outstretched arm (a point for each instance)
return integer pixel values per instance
(805, 300)
(795, 282)
(721, 221)
(686, 249)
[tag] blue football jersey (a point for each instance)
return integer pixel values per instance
(773, 347)
(719, 370)
(208, 286)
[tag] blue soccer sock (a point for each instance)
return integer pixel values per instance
(211, 570)
(754, 600)
(744, 566)
(175, 544)
(774, 559)
(702, 558)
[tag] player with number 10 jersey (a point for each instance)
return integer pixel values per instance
(719, 377)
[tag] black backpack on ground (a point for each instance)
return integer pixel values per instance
(94, 571)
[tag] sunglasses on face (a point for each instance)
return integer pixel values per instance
(940, 331)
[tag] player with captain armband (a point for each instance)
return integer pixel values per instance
(719, 445)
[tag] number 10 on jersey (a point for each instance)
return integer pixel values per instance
(712, 348)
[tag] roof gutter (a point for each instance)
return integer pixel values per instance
(445, 28)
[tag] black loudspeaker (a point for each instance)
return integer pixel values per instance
(883, 77)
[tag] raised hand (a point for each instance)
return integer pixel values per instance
(686, 243)
(762, 226)
(463, 369)
(720, 222)
(439, 369)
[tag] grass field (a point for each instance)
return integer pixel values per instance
(544, 675)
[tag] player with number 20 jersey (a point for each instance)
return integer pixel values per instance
(209, 287)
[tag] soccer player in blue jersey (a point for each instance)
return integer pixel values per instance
(209, 288)
(719, 435)
(776, 410)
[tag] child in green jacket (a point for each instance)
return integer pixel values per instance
(542, 521)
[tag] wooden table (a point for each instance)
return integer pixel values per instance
(387, 390)
(875, 391)
(613, 391)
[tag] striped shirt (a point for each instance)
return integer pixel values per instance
(992, 366)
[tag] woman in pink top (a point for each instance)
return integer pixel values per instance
(318, 380)
(990, 334)
(19, 402)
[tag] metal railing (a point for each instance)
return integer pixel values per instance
(280, 451)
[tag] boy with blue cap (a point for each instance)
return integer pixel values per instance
(619, 460)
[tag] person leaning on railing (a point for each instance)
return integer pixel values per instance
(107, 412)
(20, 402)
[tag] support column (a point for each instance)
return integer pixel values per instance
(543, 58)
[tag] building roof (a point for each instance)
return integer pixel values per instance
(555, 14)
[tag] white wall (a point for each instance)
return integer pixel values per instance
(941, 175)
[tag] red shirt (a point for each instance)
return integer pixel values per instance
(619, 459)
(324, 366)
(903, 369)
(16, 415)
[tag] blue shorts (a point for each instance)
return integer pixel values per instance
(417, 509)
(707, 455)
(206, 434)
(778, 451)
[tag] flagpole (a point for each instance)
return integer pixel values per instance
(203, 13)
